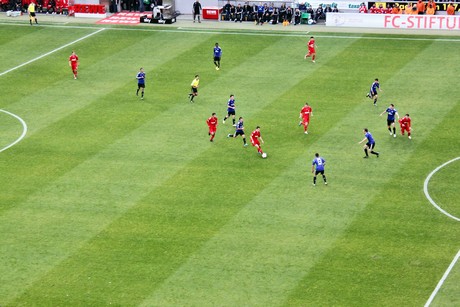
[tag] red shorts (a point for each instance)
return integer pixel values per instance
(255, 143)
(212, 130)
(74, 67)
(404, 128)
(306, 119)
(311, 50)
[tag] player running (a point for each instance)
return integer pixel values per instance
(239, 131)
(231, 109)
(317, 167)
(392, 112)
(195, 83)
(405, 124)
(73, 63)
(140, 82)
(370, 145)
(217, 55)
(256, 139)
(212, 124)
(305, 113)
(311, 49)
(373, 91)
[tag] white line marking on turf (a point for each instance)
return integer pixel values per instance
(427, 195)
(52, 51)
(444, 277)
(252, 33)
(24, 130)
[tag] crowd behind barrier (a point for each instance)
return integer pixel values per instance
(260, 12)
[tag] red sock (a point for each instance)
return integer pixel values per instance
(212, 137)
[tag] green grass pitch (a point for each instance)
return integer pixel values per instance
(113, 200)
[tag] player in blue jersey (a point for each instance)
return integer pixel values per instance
(231, 109)
(239, 131)
(140, 82)
(392, 112)
(373, 91)
(317, 167)
(370, 144)
(217, 55)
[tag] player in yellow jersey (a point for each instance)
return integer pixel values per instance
(31, 10)
(195, 84)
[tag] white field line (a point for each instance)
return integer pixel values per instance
(250, 33)
(444, 277)
(24, 129)
(427, 195)
(52, 51)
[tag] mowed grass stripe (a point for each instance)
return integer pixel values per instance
(167, 159)
(20, 45)
(391, 250)
(71, 120)
(67, 196)
(268, 247)
(83, 188)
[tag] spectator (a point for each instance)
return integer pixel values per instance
(421, 7)
(196, 8)
(374, 9)
(328, 9)
(319, 14)
(226, 10)
(267, 13)
(408, 9)
(246, 12)
(450, 9)
(289, 13)
(381, 10)
(414, 10)
(239, 13)
(311, 12)
(430, 10)
(297, 17)
(395, 9)
(282, 13)
(275, 16)
(232, 12)
(335, 9)
(260, 14)
(362, 8)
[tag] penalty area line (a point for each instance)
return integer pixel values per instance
(444, 277)
(51, 52)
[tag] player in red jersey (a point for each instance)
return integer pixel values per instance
(212, 124)
(256, 139)
(73, 63)
(405, 124)
(311, 49)
(305, 116)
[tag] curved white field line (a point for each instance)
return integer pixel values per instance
(427, 195)
(24, 130)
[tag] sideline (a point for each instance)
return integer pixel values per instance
(438, 286)
(427, 194)
(52, 51)
(247, 32)
(24, 130)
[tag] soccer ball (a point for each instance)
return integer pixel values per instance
(264, 155)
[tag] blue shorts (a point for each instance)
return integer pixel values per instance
(239, 132)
